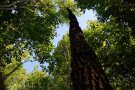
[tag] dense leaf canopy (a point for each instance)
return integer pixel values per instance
(122, 10)
(27, 28)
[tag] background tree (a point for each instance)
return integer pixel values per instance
(59, 65)
(115, 47)
(36, 80)
(17, 79)
(12, 74)
(28, 26)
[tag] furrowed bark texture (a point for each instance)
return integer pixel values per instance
(86, 74)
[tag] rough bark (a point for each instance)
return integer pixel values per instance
(86, 74)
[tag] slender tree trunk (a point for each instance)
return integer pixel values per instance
(2, 84)
(2, 79)
(87, 74)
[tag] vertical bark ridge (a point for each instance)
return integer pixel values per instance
(86, 74)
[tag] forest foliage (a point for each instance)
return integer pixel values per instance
(27, 28)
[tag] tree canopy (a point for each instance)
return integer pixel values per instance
(122, 10)
(27, 28)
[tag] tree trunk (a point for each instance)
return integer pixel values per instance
(2, 84)
(86, 74)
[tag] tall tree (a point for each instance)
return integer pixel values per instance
(109, 43)
(37, 80)
(86, 74)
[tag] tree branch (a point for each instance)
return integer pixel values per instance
(9, 6)
(7, 75)
(2, 8)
